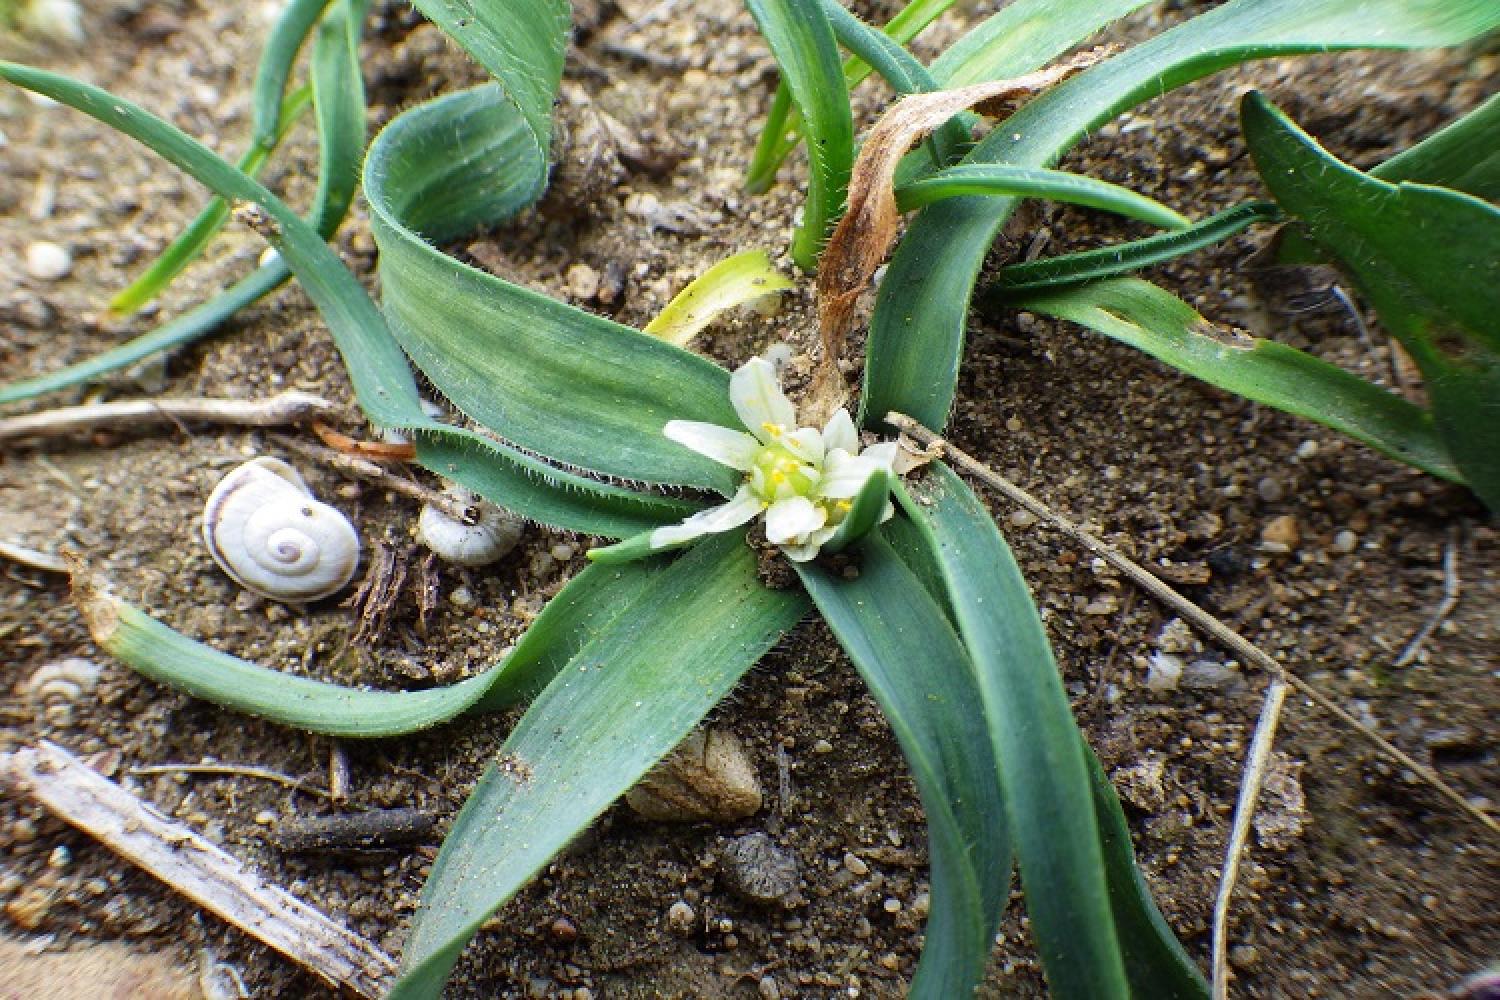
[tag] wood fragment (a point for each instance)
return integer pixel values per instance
(355, 465)
(284, 408)
(379, 451)
(1251, 780)
(371, 830)
(189, 864)
(1190, 612)
(32, 558)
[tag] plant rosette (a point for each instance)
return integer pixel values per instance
(804, 480)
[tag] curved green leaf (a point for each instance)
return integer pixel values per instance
(918, 671)
(382, 381)
(916, 334)
(1033, 182)
(287, 35)
(1113, 261)
(803, 44)
(1023, 36)
(546, 376)
(1155, 321)
(583, 609)
(622, 702)
(1427, 258)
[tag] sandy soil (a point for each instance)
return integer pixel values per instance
(1361, 883)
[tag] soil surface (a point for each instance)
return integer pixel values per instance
(1360, 882)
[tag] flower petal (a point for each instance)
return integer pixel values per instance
(741, 508)
(806, 444)
(758, 399)
(735, 449)
(845, 475)
(788, 519)
(884, 453)
(839, 432)
(801, 553)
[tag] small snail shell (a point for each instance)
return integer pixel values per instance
(57, 685)
(494, 533)
(265, 529)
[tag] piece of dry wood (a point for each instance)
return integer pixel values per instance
(1252, 778)
(189, 864)
(32, 558)
(352, 463)
(1190, 612)
(1451, 589)
(284, 408)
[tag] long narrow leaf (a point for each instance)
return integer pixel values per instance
(916, 337)
(802, 42)
(1155, 321)
(590, 602)
(917, 670)
(1032, 182)
(1022, 36)
(620, 704)
(1428, 258)
(1043, 772)
(783, 126)
(287, 35)
(1125, 258)
(207, 224)
(381, 379)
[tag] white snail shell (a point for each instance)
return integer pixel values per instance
(494, 533)
(265, 529)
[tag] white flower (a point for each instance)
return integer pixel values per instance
(60, 20)
(803, 479)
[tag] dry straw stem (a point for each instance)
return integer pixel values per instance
(284, 408)
(354, 465)
(1190, 612)
(44, 561)
(75, 792)
(1251, 780)
(862, 237)
(1451, 588)
(235, 770)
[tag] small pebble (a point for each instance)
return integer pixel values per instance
(48, 261)
(1022, 518)
(462, 597)
(1270, 490)
(822, 746)
(1207, 675)
(767, 989)
(891, 905)
(1345, 541)
(1280, 534)
(855, 864)
(582, 281)
(1163, 672)
(1244, 956)
(1307, 449)
(756, 869)
(681, 918)
(562, 553)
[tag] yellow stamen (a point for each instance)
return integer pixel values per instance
(845, 505)
(775, 430)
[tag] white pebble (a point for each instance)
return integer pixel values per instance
(563, 552)
(1165, 672)
(48, 261)
(1307, 449)
(1345, 541)
(1022, 519)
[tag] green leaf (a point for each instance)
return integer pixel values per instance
(291, 29)
(1111, 261)
(1462, 155)
(376, 366)
(1427, 258)
(917, 670)
(197, 235)
(802, 42)
(546, 376)
(1156, 964)
(916, 335)
(585, 607)
(731, 282)
(1155, 321)
(1023, 36)
(621, 703)
(1032, 182)
(1043, 771)
(782, 130)
(865, 513)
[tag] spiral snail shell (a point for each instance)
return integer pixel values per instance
(265, 529)
(493, 533)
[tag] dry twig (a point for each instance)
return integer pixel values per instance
(1451, 587)
(354, 465)
(44, 561)
(1190, 612)
(1251, 781)
(218, 882)
(284, 408)
(236, 770)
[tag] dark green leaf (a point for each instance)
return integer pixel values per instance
(1155, 321)
(1032, 182)
(916, 335)
(621, 703)
(917, 670)
(1427, 258)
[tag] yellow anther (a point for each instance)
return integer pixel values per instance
(845, 505)
(775, 430)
